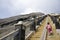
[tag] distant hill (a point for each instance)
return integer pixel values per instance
(13, 18)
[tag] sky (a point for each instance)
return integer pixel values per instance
(10, 8)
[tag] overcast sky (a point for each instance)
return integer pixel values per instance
(17, 7)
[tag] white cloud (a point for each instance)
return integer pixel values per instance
(16, 7)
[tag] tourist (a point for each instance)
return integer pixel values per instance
(49, 28)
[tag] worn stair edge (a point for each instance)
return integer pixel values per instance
(29, 35)
(44, 33)
(43, 36)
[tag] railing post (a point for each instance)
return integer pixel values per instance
(21, 32)
(34, 24)
(33, 27)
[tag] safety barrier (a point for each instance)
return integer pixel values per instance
(14, 31)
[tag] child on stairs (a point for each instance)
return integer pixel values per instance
(49, 28)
